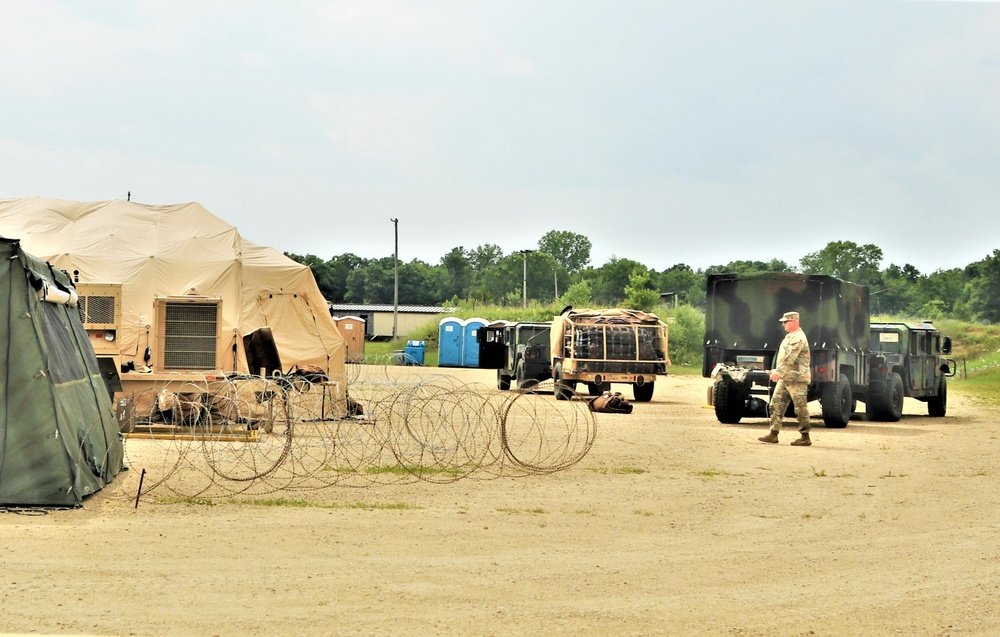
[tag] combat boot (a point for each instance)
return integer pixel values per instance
(772, 437)
(803, 441)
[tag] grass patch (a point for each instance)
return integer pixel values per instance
(191, 502)
(515, 511)
(644, 513)
(893, 475)
(821, 473)
(627, 470)
(419, 470)
(289, 503)
(711, 474)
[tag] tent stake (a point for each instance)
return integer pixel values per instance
(137, 493)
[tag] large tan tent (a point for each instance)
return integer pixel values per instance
(180, 258)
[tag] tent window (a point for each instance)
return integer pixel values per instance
(64, 359)
(190, 333)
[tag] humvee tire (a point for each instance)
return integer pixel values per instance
(836, 402)
(523, 384)
(563, 389)
(937, 405)
(893, 397)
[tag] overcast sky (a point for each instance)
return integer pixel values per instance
(666, 132)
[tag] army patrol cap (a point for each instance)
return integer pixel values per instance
(789, 316)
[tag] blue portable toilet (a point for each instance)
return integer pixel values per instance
(470, 346)
(450, 339)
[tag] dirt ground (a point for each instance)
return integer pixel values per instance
(672, 524)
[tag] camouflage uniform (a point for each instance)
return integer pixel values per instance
(795, 372)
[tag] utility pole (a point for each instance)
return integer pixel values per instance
(395, 285)
(524, 277)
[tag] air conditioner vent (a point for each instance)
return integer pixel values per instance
(190, 332)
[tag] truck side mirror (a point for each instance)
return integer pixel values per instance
(946, 345)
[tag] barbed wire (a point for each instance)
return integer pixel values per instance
(389, 424)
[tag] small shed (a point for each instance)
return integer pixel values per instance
(380, 318)
(451, 337)
(470, 341)
(352, 328)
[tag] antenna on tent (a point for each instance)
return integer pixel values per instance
(128, 196)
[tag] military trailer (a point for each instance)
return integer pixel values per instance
(518, 351)
(742, 334)
(906, 360)
(600, 347)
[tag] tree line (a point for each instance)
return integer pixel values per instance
(559, 270)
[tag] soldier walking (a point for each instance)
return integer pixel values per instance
(792, 372)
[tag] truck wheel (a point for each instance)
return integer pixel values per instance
(875, 401)
(893, 401)
(642, 393)
(503, 381)
(729, 398)
(836, 402)
(562, 388)
(523, 384)
(595, 389)
(937, 405)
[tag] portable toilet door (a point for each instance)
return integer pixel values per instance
(450, 339)
(470, 346)
(352, 328)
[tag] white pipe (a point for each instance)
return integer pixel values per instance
(51, 294)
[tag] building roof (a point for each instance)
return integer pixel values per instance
(388, 307)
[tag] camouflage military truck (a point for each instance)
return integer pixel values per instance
(742, 334)
(600, 347)
(518, 351)
(906, 360)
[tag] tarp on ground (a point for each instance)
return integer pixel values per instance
(59, 438)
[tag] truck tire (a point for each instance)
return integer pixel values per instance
(643, 393)
(729, 398)
(893, 398)
(873, 400)
(503, 381)
(836, 401)
(595, 389)
(523, 384)
(563, 390)
(937, 405)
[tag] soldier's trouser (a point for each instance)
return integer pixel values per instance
(797, 393)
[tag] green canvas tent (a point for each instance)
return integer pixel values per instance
(59, 437)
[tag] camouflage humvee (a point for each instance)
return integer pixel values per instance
(906, 361)
(742, 334)
(518, 351)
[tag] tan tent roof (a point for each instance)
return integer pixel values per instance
(177, 250)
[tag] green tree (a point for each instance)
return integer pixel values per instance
(570, 249)
(984, 298)
(485, 255)
(639, 293)
(686, 333)
(578, 295)
(846, 260)
(458, 274)
(679, 280)
(611, 280)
